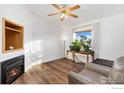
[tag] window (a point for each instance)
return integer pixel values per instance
(84, 38)
(77, 35)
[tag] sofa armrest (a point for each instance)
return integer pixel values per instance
(99, 68)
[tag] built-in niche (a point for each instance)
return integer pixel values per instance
(12, 36)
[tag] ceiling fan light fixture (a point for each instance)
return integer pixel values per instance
(66, 16)
(63, 15)
(65, 11)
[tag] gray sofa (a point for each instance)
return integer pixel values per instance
(99, 74)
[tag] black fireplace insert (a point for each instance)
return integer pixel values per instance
(12, 69)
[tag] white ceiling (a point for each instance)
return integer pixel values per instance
(87, 12)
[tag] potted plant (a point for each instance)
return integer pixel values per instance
(85, 43)
(75, 46)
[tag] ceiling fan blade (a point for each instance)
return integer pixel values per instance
(72, 15)
(53, 14)
(56, 6)
(74, 8)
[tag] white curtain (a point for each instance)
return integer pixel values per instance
(95, 39)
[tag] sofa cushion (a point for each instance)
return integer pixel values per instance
(119, 64)
(117, 73)
(92, 77)
(99, 68)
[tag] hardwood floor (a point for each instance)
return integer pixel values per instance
(54, 72)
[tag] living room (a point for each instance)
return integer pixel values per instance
(45, 45)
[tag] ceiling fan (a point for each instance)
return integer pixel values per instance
(65, 11)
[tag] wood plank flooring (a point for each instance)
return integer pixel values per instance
(54, 72)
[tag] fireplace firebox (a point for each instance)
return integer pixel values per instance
(12, 69)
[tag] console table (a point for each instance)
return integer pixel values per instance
(81, 52)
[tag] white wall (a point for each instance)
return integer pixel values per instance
(112, 36)
(49, 36)
(111, 44)
(42, 39)
(67, 32)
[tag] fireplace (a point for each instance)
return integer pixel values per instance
(12, 69)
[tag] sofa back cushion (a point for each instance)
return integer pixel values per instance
(99, 68)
